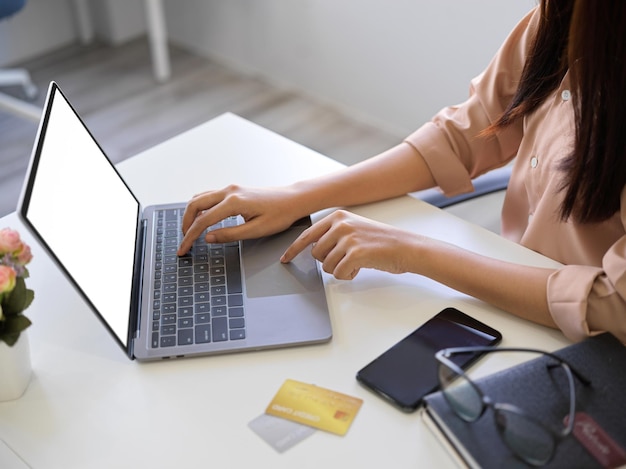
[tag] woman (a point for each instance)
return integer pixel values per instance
(552, 96)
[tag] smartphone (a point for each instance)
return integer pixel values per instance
(407, 372)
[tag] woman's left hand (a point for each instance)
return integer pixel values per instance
(345, 243)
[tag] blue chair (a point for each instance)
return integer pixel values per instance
(493, 181)
(10, 7)
(17, 76)
(476, 208)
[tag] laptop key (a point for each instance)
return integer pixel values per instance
(218, 301)
(185, 337)
(185, 301)
(171, 214)
(202, 277)
(203, 333)
(170, 259)
(168, 319)
(185, 311)
(202, 308)
(221, 280)
(220, 329)
(219, 311)
(236, 323)
(203, 318)
(202, 297)
(237, 334)
(201, 287)
(235, 300)
(168, 330)
(233, 269)
(185, 322)
(169, 298)
(168, 341)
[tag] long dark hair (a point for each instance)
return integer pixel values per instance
(588, 38)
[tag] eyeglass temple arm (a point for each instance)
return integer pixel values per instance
(578, 374)
(473, 349)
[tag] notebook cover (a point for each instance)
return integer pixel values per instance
(543, 394)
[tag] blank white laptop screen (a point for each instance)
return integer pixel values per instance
(77, 191)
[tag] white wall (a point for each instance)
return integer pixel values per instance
(393, 63)
(117, 21)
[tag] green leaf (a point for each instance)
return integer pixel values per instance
(12, 326)
(16, 301)
(16, 324)
(29, 296)
(10, 339)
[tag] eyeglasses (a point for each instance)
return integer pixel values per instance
(528, 438)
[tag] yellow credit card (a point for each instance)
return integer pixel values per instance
(314, 406)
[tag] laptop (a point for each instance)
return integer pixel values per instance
(122, 258)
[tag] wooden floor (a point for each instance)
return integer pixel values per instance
(127, 111)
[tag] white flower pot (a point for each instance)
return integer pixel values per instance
(15, 368)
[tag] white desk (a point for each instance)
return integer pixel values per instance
(88, 406)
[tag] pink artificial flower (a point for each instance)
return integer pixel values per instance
(10, 242)
(7, 279)
(24, 256)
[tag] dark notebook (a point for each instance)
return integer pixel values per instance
(536, 389)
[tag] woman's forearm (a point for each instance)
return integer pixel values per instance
(392, 173)
(518, 289)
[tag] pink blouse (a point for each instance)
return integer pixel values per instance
(588, 294)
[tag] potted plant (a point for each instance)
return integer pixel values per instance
(15, 298)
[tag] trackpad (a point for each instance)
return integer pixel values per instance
(266, 276)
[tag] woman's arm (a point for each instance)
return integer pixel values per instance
(344, 243)
(269, 210)
(518, 289)
(392, 173)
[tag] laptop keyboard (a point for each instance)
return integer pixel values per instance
(197, 297)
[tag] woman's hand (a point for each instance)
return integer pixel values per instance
(265, 211)
(345, 243)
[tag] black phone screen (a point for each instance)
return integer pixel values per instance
(407, 372)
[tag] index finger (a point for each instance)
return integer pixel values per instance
(198, 204)
(201, 213)
(203, 220)
(309, 236)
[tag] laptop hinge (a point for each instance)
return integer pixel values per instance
(135, 309)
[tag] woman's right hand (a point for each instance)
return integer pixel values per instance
(265, 211)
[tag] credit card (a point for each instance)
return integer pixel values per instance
(279, 433)
(315, 406)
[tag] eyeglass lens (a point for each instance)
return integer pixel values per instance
(462, 396)
(527, 439)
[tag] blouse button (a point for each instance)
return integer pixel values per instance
(566, 95)
(534, 162)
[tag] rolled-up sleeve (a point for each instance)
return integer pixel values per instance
(587, 300)
(450, 143)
